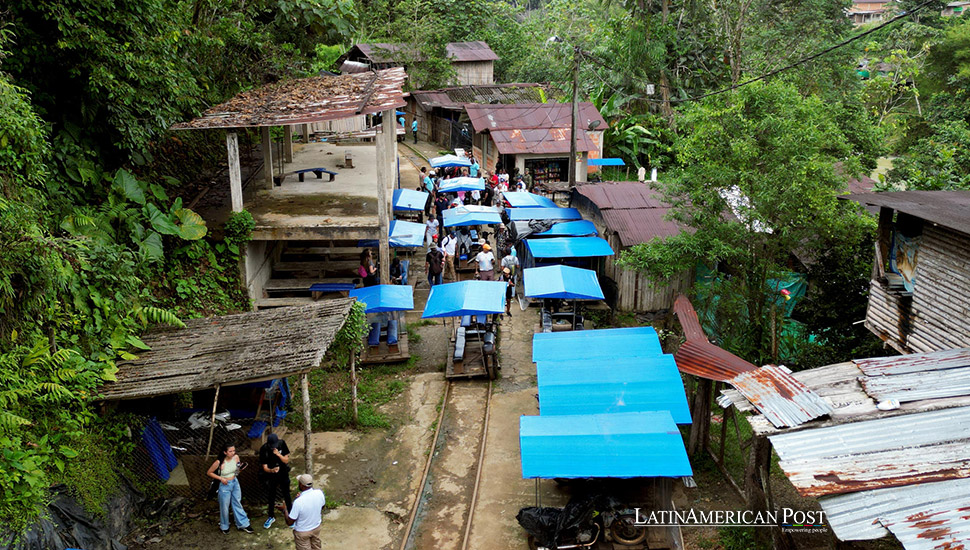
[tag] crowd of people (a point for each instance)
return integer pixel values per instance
(303, 513)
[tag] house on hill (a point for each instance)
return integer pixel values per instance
(919, 296)
(473, 61)
(534, 138)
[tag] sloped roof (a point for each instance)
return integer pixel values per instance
(456, 98)
(540, 140)
(946, 208)
(470, 51)
(385, 52)
(523, 116)
(631, 209)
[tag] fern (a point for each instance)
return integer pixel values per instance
(151, 314)
(10, 421)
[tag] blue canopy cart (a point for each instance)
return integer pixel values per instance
(561, 282)
(384, 304)
(472, 334)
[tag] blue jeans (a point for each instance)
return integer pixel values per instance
(230, 494)
(434, 279)
(374, 337)
(392, 331)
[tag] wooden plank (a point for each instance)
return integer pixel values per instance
(323, 250)
(265, 303)
(330, 266)
(382, 354)
(267, 146)
(235, 173)
(284, 285)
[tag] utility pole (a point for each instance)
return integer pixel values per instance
(575, 120)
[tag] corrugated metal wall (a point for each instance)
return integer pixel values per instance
(474, 72)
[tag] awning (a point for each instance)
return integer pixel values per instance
(409, 199)
(465, 298)
(640, 444)
(606, 162)
(524, 214)
(560, 281)
(471, 215)
(523, 199)
(578, 228)
(450, 161)
(613, 386)
(406, 234)
(461, 184)
(380, 298)
(595, 344)
(568, 247)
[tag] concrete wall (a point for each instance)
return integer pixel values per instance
(257, 266)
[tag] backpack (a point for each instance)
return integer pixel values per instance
(214, 485)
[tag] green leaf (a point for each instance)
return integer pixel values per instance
(161, 221)
(137, 343)
(68, 452)
(192, 226)
(130, 186)
(152, 246)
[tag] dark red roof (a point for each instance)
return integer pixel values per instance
(946, 208)
(622, 195)
(523, 116)
(541, 140)
(455, 98)
(631, 209)
(384, 52)
(470, 51)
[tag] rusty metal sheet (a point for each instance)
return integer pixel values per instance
(916, 386)
(946, 208)
(917, 362)
(455, 98)
(542, 140)
(688, 320)
(470, 51)
(640, 225)
(886, 452)
(306, 100)
(925, 516)
(522, 116)
(782, 399)
(704, 359)
(622, 196)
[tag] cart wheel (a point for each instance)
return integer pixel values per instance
(492, 374)
(532, 543)
(625, 531)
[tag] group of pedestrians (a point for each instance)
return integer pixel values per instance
(303, 513)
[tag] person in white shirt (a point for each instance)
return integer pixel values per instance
(486, 263)
(450, 246)
(305, 515)
(430, 227)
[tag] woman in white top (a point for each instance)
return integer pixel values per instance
(224, 471)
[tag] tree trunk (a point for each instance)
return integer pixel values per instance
(700, 418)
(353, 385)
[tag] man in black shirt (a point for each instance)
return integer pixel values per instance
(274, 469)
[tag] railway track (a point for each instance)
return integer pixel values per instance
(442, 514)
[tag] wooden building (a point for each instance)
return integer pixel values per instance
(441, 113)
(919, 296)
(473, 61)
(626, 214)
(534, 138)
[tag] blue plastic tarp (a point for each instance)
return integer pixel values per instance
(409, 199)
(562, 281)
(568, 247)
(611, 386)
(465, 298)
(638, 444)
(526, 214)
(381, 298)
(595, 344)
(461, 184)
(449, 161)
(406, 234)
(471, 215)
(578, 228)
(523, 199)
(606, 162)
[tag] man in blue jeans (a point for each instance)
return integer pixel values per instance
(434, 263)
(414, 129)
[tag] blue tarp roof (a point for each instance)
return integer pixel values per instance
(568, 247)
(465, 298)
(406, 234)
(449, 161)
(409, 199)
(578, 228)
(525, 214)
(471, 215)
(634, 385)
(561, 281)
(461, 184)
(640, 444)
(606, 162)
(523, 199)
(380, 298)
(595, 344)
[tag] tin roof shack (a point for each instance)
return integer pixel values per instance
(441, 113)
(351, 205)
(626, 214)
(534, 138)
(473, 61)
(919, 297)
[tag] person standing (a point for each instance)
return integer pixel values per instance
(486, 263)
(400, 120)
(450, 247)
(274, 472)
(509, 289)
(473, 169)
(414, 130)
(305, 517)
(366, 270)
(431, 227)
(224, 470)
(434, 263)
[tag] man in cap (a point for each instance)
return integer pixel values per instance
(486, 263)
(305, 515)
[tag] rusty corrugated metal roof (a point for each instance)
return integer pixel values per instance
(470, 51)
(306, 100)
(917, 377)
(782, 399)
(688, 319)
(456, 98)
(540, 140)
(622, 195)
(886, 452)
(946, 208)
(522, 116)
(640, 226)
(917, 362)
(379, 52)
(699, 357)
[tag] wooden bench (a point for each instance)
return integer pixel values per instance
(318, 171)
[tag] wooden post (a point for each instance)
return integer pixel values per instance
(700, 418)
(267, 144)
(235, 173)
(308, 448)
(575, 120)
(306, 133)
(386, 154)
(212, 422)
(288, 143)
(353, 385)
(757, 488)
